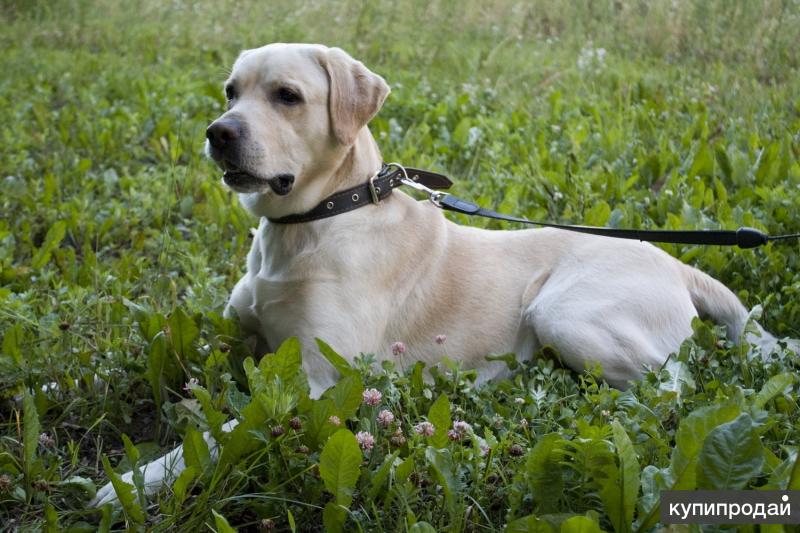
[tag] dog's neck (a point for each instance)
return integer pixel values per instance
(360, 162)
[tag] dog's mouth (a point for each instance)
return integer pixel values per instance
(242, 181)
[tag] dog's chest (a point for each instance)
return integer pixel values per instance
(310, 290)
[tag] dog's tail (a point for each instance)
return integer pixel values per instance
(714, 300)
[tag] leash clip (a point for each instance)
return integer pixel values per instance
(435, 197)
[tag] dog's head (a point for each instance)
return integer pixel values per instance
(294, 112)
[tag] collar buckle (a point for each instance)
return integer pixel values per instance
(374, 191)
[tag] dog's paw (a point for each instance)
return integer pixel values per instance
(107, 494)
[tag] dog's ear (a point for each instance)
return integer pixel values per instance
(356, 93)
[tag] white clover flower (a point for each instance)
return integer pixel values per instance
(372, 397)
(461, 427)
(424, 428)
(365, 440)
(385, 418)
(189, 385)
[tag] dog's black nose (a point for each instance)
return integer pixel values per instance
(282, 184)
(223, 132)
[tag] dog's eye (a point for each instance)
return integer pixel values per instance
(230, 92)
(287, 96)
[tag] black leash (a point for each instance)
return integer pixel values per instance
(393, 175)
(742, 237)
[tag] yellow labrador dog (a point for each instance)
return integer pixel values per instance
(295, 133)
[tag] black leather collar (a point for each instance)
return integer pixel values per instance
(373, 191)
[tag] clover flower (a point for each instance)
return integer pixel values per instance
(46, 440)
(385, 418)
(424, 428)
(372, 397)
(461, 427)
(365, 440)
(189, 385)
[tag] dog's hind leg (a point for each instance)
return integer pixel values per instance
(616, 325)
(161, 472)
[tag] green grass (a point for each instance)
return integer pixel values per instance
(119, 246)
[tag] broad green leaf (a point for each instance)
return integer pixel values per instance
(703, 162)
(338, 362)
(222, 523)
(528, 524)
(106, 520)
(417, 381)
(183, 331)
(689, 440)
(653, 481)
(214, 417)
(772, 388)
(318, 427)
(132, 455)
(150, 324)
(405, 469)
(286, 363)
(183, 482)
(339, 466)
(333, 517)
(157, 365)
(379, 478)
(278, 399)
(195, 450)
(680, 380)
(445, 472)
(794, 478)
(543, 475)
(12, 339)
(598, 214)
(346, 396)
(241, 441)
(256, 380)
(580, 524)
(509, 359)
(125, 494)
(731, 456)
(130, 450)
(439, 416)
(51, 519)
(86, 485)
(421, 527)
(627, 492)
(53, 238)
(30, 436)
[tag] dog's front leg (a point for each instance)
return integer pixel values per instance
(162, 471)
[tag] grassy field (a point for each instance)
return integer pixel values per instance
(119, 246)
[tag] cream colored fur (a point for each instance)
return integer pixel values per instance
(401, 271)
